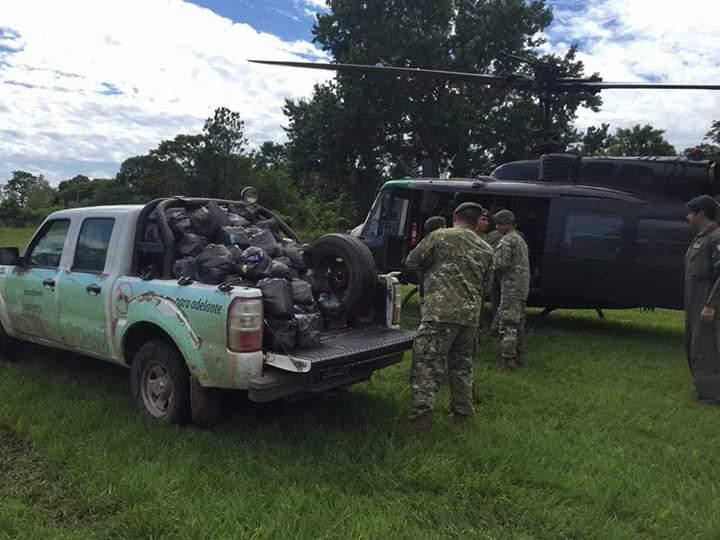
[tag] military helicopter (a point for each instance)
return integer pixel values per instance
(602, 232)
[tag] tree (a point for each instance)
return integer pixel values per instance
(594, 142)
(18, 187)
(271, 155)
(640, 141)
(714, 134)
(358, 128)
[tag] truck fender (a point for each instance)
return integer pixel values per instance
(163, 312)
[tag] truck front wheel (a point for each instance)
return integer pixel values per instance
(160, 383)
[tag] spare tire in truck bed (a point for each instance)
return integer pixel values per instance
(344, 266)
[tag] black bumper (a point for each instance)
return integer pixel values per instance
(344, 357)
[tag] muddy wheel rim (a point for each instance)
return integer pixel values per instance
(158, 391)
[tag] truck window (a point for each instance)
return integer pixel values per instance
(593, 236)
(47, 247)
(92, 245)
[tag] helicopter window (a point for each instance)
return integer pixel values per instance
(398, 217)
(661, 241)
(593, 236)
(373, 224)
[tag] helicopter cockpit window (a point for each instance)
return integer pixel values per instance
(397, 217)
(373, 223)
(593, 236)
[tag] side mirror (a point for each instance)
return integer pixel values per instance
(9, 256)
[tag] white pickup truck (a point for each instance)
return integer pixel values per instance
(90, 282)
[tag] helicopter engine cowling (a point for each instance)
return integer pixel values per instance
(670, 178)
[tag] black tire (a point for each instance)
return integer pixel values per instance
(8, 346)
(160, 383)
(345, 266)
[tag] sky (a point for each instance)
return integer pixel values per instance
(85, 84)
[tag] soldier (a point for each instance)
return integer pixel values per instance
(457, 271)
(483, 225)
(702, 299)
(512, 269)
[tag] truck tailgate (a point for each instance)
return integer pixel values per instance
(355, 344)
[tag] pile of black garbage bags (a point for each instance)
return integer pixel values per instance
(217, 244)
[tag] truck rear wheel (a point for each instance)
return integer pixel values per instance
(345, 266)
(160, 383)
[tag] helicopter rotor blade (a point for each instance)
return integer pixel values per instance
(514, 80)
(602, 85)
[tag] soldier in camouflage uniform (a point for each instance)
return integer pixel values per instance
(457, 271)
(512, 269)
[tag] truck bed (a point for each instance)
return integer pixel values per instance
(353, 344)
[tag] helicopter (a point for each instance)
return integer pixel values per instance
(602, 232)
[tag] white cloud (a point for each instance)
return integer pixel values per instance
(648, 40)
(87, 83)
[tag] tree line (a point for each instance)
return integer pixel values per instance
(357, 131)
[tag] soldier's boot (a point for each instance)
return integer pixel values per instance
(459, 419)
(419, 425)
(510, 364)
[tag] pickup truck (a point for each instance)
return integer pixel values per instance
(90, 282)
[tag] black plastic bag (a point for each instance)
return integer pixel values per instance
(294, 274)
(302, 292)
(270, 223)
(296, 254)
(280, 270)
(236, 220)
(246, 211)
(191, 244)
(264, 239)
(277, 298)
(281, 335)
(207, 220)
(230, 235)
(215, 264)
(254, 263)
(330, 307)
(309, 326)
(179, 221)
(185, 267)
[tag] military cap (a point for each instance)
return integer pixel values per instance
(703, 202)
(504, 217)
(467, 205)
(433, 223)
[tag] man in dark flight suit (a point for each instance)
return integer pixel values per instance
(702, 299)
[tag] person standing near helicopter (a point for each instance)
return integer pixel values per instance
(457, 269)
(702, 299)
(512, 270)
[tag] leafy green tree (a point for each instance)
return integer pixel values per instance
(714, 134)
(18, 187)
(595, 141)
(640, 141)
(270, 155)
(359, 128)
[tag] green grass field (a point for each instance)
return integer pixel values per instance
(598, 437)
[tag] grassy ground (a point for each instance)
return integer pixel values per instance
(598, 437)
(15, 237)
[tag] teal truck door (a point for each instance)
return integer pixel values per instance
(31, 287)
(82, 291)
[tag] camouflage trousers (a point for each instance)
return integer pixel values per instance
(440, 346)
(511, 318)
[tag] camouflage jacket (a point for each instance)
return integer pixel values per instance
(512, 265)
(457, 267)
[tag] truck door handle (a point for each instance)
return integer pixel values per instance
(93, 288)
(49, 282)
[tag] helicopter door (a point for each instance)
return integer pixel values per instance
(585, 253)
(385, 231)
